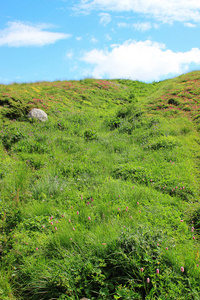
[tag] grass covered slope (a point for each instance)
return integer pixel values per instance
(102, 200)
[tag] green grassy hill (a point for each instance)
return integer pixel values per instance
(101, 200)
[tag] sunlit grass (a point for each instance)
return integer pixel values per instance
(107, 187)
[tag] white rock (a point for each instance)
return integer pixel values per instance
(38, 114)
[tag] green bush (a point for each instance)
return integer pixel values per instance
(11, 136)
(90, 135)
(166, 142)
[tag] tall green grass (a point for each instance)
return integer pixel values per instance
(102, 200)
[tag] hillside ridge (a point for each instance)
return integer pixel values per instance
(101, 200)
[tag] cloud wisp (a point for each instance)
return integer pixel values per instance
(19, 34)
(70, 54)
(164, 11)
(139, 26)
(104, 19)
(144, 60)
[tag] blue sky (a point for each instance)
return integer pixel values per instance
(147, 40)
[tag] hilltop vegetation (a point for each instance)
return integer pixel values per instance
(102, 200)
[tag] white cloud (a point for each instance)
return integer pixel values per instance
(108, 37)
(104, 18)
(144, 61)
(78, 38)
(138, 26)
(142, 26)
(165, 10)
(69, 54)
(93, 40)
(18, 34)
(190, 25)
(123, 25)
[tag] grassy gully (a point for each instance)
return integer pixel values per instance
(101, 200)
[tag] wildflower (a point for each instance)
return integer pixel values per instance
(70, 239)
(139, 211)
(55, 228)
(182, 269)
(43, 226)
(137, 202)
(73, 228)
(157, 271)
(36, 249)
(166, 248)
(51, 217)
(157, 244)
(181, 220)
(148, 280)
(197, 265)
(193, 237)
(141, 269)
(56, 221)
(51, 223)
(89, 218)
(77, 212)
(62, 216)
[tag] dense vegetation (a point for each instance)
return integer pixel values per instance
(101, 200)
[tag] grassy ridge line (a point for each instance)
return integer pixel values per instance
(181, 97)
(100, 196)
(17, 100)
